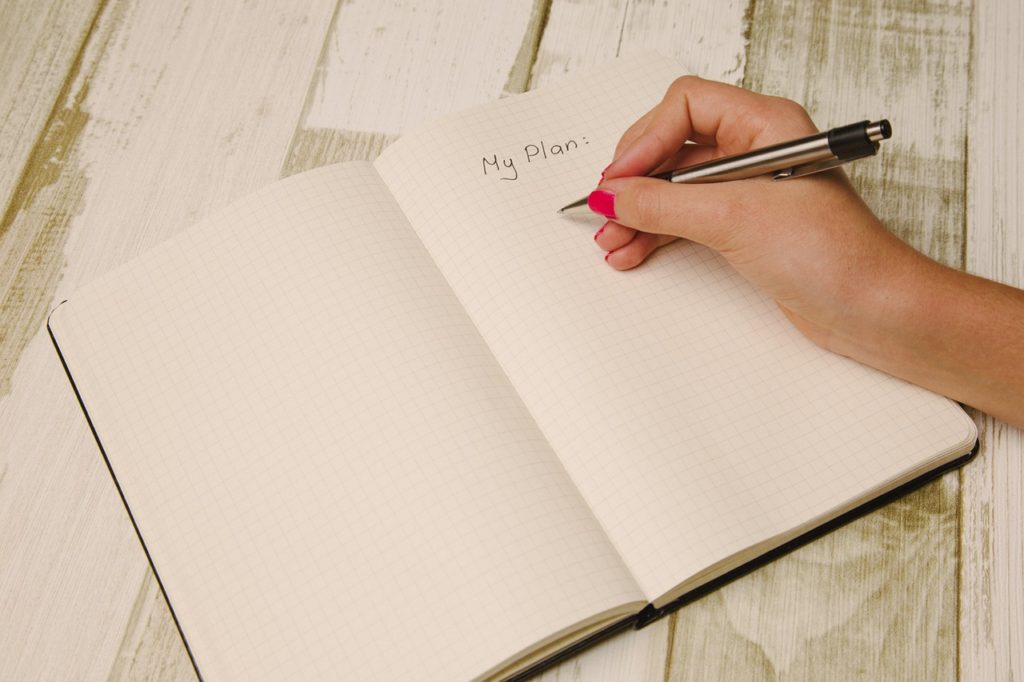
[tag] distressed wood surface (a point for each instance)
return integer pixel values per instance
(992, 541)
(41, 46)
(40, 43)
(423, 61)
(145, 116)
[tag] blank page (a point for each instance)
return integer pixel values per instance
(696, 421)
(331, 472)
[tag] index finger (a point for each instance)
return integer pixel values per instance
(734, 119)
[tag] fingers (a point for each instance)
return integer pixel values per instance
(634, 252)
(613, 235)
(694, 109)
(626, 247)
(709, 214)
(689, 155)
(721, 120)
(632, 132)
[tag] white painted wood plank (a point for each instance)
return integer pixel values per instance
(707, 38)
(387, 67)
(178, 109)
(151, 650)
(578, 36)
(393, 65)
(873, 601)
(39, 40)
(634, 655)
(992, 545)
(39, 45)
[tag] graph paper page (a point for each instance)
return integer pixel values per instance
(694, 419)
(329, 469)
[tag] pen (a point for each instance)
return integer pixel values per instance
(784, 160)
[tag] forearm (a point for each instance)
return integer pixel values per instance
(957, 334)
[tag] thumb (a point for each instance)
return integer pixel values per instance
(708, 213)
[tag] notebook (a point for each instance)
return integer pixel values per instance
(399, 420)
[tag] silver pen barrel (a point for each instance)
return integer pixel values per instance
(797, 158)
(815, 152)
(758, 162)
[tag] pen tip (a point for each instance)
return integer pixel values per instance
(573, 206)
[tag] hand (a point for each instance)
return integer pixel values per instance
(811, 244)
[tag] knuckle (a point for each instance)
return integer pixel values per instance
(683, 84)
(624, 142)
(661, 143)
(788, 106)
(789, 110)
(775, 118)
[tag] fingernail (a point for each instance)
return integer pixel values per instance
(598, 233)
(606, 256)
(603, 172)
(602, 201)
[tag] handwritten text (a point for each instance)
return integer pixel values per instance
(504, 167)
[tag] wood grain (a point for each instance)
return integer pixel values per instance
(151, 649)
(992, 542)
(425, 60)
(174, 110)
(41, 120)
(873, 600)
(41, 41)
(705, 37)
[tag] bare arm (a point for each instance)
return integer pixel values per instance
(952, 332)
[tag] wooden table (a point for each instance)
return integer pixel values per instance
(122, 122)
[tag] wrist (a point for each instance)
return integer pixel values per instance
(891, 317)
(947, 331)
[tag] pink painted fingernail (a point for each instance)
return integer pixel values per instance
(602, 201)
(598, 233)
(603, 172)
(606, 256)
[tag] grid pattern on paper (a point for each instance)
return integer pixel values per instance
(691, 415)
(328, 466)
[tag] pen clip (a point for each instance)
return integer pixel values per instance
(818, 166)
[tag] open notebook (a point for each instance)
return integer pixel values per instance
(399, 421)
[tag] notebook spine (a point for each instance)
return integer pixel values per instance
(648, 614)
